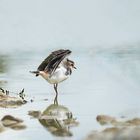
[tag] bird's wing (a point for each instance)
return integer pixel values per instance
(51, 63)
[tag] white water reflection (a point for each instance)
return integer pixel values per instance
(106, 82)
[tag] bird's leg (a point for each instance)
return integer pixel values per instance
(56, 94)
(55, 88)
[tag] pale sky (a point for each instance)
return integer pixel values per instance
(68, 22)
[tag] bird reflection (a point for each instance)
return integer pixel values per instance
(58, 120)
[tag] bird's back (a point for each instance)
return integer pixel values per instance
(51, 63)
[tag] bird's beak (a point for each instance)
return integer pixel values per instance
(74, 67)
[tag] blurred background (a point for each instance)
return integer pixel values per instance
(82, 24)
(104, 37)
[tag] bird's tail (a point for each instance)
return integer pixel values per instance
(35, 72)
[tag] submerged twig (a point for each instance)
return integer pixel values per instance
(7, 100)
(20, 94)
(7, 92)
(2, 90)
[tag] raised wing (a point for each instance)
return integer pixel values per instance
(51, 63)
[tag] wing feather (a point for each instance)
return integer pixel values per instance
(51, 63)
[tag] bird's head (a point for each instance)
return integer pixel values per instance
(71, 64)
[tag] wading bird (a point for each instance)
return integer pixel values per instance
(56, 68)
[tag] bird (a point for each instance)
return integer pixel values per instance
(56, 68)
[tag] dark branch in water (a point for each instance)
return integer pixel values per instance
(20, 94)
(2, 90)
(7, 92)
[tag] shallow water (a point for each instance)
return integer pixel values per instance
(106, 82)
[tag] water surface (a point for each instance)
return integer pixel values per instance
(106, 82)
